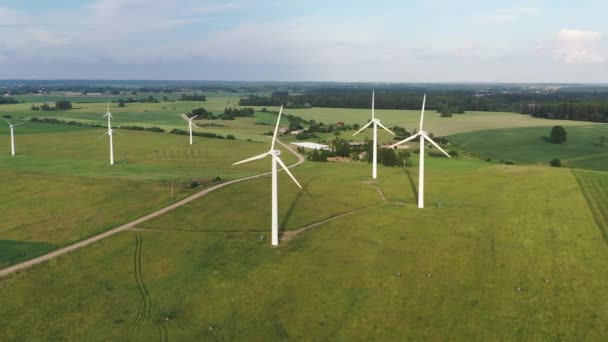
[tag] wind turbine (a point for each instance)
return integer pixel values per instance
(109, 133)
(376, 123)
(190, 124)
(423, 135)
(275, 197)
(13, 135)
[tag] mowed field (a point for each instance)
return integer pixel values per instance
(60, 188)
(525, 263)
(528, 145)
(410, 119)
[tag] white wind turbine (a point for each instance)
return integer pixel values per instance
(190, 124)
(109, 134)
(12, 126)
(275, 196)
(423, 135)
(376, 123)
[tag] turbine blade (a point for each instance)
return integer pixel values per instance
(19, 124)
(436, 145)
(287, 170)
(185, 117)
(362, 128)
(405, 140)
(276, 129)
(195, 125)
(373, 103)
(7, 121)
(422, 112)
(259, 156)
(386, 129)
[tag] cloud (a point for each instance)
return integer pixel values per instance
(580, 47)
(509, 15)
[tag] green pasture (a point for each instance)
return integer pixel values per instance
(523, 263)
(60, 188)
(529, 145)
(78, 150)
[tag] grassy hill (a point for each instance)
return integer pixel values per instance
(529, 145)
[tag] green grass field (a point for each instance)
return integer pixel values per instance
(60, 188)
(459, 123)
(526, 145)
(501, 252)
(390, 272)
(594, 185)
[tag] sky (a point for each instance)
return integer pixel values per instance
(295, 40)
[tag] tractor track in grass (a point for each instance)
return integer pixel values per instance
(291, 234)
(144, 312)
(59, 252)
(596, 199)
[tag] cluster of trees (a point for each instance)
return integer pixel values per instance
(596, 111)
(7, 100)
(195, 97)
(59, 105)
(149, 99)
(231, 113)
(558, 135)
(202, 113)
(140, 128)
(62, 122)
(447, 111)
(202, 134)
(318, 155)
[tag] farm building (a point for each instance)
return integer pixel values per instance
(312, 146)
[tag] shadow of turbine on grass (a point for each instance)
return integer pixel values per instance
(412, 184)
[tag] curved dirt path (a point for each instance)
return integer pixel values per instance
(132, 224)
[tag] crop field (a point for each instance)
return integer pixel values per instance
(467, 267)
(528, 145)
(409, 119)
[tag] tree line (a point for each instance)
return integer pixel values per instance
(566, 106)
(59, 105)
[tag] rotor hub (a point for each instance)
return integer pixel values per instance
(275, 152)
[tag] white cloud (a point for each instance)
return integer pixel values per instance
(509, 15)
(580, 47)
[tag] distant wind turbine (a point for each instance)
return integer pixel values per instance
(12, 126)
(376, 123)
(423, 136)
(275, 196)
(190, 124)
(109, 134)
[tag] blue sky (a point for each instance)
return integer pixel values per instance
(266, 40)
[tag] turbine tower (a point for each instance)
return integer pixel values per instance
(109, 134)
(13, 135)
(376, 123)
(423, 136)
(275, 196)
(190, 124)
